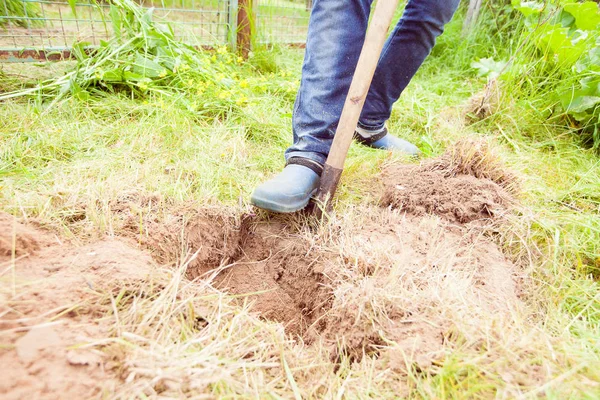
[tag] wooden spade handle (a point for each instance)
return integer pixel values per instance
(361, 81)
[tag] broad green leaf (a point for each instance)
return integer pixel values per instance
(528, 8)
(565, 19)
(132, 76)
(556, 39)
(117, 22)
(488, 67)
(78, 92)
(587, 14)
(146, 67)
(590, 61)
(581, 104)
(581, 99)
(590, 85)
(112, 76)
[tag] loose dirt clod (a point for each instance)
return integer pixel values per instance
(475, 157)
(460, 199)
(483, 104)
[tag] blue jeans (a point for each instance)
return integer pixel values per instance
(336, 33)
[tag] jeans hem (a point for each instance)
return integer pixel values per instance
(371, 127)
(317, 157)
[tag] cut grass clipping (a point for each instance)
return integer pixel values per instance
(144, 59)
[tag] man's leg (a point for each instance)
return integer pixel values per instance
(404, 52)
(336, 32)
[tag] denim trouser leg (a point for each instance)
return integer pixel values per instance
(335, 36)
(404, 52)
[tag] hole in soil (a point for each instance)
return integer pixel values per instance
(276, 269)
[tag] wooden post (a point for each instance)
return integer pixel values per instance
(472, 15)
(309, 4)
(245, 22)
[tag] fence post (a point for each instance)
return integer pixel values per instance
(245, 26)
(308, 4)
(472, 15)
(232, 15)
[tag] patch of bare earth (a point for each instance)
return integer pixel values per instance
(49, 311)
(401, 281)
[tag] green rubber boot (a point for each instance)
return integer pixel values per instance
(289, 191)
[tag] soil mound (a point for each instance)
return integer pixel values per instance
(468, 183)
(18, 238)
(461, 198)
(50, 312)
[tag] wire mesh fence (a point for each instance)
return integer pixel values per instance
(282, 20)
(58, 24)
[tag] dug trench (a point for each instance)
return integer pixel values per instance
(400, 280)
(394, 277)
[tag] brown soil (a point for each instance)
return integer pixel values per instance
(393, 281)
(287, 277)
(200, 236)
(19, 239)
(292, 278)
(468, 183)
(461, 199)
(49, 311)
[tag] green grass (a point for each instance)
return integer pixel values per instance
(77, 156)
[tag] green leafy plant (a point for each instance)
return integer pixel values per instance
(566, 38)
(144, 59)
(489, 67)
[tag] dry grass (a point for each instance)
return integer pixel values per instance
(476, 157)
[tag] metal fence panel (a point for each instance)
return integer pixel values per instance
(282, 21)
(55, 24)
